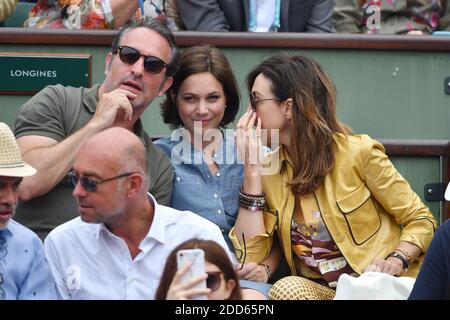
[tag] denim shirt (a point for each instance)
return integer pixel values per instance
(197, 189)
(24, 272)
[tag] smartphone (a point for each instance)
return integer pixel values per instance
(197, 268)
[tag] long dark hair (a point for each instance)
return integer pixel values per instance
(214, 254)
(195, 60)
(314, 120)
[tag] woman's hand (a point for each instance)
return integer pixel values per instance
(391, 265)
(253, 272)
(248, 140)
(185, 290)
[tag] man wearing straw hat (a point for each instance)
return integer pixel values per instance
(24, 273)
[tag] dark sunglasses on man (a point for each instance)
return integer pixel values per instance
(131, 55)
(90, 184)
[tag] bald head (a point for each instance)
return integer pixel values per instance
(119, 148)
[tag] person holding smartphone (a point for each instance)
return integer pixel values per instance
(221, 280)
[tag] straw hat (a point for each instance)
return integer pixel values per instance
(11, 163)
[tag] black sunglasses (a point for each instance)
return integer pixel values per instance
(254, 101)
(90, 184)
(130, 55)
(214, 280)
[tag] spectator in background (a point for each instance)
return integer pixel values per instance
(7, 8)
(222, 282)
(415, 17)
(91, 14)
(24, 273)
(52, 125)
(255, 16)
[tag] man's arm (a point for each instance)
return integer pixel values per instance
(202, 15)
(347, 16)
(162, 190)
(321, 17)
(53, 159)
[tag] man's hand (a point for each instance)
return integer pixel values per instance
(113, 108)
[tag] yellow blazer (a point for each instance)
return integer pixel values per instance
(366, 205)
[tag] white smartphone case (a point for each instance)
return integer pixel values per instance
(197, 257)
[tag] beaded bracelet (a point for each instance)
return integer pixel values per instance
(261, 195)
(250, 201)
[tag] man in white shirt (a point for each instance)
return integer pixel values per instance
(118, 246)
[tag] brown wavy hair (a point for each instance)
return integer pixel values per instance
(314, 120)
(214, 254)
(195, 60)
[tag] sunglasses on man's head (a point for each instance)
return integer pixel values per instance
(130, 56)
(214, 280)
(90, 184)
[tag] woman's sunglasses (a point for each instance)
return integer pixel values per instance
(214, 280)
(90, 184)
(130, 56)
(255, 101)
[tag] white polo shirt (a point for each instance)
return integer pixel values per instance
(89, 262)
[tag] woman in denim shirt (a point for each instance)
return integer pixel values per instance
(203, 99)
(204, 96)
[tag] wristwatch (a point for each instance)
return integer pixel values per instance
(401, 258)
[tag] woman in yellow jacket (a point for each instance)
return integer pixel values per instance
(334, 200)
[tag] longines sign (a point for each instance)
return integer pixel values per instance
(27, 73)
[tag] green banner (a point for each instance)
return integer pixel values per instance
(28, 73)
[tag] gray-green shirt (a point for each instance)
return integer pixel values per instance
(57, 112)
